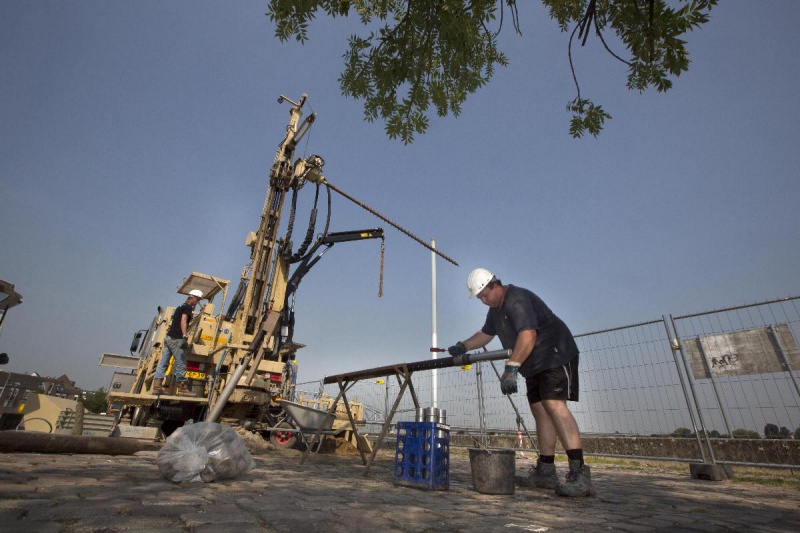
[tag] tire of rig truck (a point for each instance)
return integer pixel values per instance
(283, 436)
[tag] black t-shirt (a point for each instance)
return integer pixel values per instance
(522, 310)
(174, 330)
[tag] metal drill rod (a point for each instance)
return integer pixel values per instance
(427, 364)
(396, 226)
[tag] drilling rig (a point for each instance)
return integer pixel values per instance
(240, 362)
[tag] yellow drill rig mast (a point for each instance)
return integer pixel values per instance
(260, 291)
(257, 312)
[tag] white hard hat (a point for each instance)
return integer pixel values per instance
(197, 294)
(477, 280)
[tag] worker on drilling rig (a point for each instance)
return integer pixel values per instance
(176, 342)
(545, 353)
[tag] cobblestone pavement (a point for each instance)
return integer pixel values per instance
(46, 493)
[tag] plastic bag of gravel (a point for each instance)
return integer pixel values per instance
(205, 451)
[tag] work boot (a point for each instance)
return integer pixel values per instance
(543, 476)
(158, 386)
(578, 481)
(183, 390)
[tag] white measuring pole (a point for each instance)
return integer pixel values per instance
(434, 339)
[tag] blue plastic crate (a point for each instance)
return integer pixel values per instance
(422, 455)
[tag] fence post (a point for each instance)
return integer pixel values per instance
(714, 386)
(679, 347)
(674, 349)
(386, 402)
(481, 407)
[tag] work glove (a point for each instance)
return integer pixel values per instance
(457, 349)
(508, 381)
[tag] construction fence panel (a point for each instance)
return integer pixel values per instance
(631, 383)
(744, 364)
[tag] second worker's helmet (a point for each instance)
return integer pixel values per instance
(477, 280)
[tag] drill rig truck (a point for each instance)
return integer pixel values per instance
(240, 362)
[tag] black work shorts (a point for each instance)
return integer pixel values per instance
(558, 383)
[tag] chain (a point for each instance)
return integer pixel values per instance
(380, 283)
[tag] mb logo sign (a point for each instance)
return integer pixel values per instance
(752, 351)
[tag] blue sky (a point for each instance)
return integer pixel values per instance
(136, 140)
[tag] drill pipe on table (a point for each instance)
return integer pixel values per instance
(427, 364)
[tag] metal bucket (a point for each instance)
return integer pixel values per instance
(493, 470)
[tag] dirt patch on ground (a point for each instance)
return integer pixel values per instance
(254, 442)
(338, 446)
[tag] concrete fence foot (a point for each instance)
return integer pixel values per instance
(710, 472)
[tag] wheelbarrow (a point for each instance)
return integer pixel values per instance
(303, 422)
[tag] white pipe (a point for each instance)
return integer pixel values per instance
(434, 339)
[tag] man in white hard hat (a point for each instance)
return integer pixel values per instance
(175, 345)
(545, 353)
